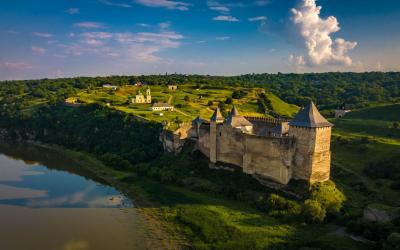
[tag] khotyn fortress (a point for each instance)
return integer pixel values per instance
(269, 149)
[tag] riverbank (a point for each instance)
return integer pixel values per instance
(179, 218)
(163, 234)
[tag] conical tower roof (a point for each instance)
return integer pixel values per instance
(236, 120)
(310, 117)
(217, 116)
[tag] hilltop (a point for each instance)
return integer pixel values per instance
(189, 101)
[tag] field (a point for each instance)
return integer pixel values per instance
(360, 138)
(189, 101)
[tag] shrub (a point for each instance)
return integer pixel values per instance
(392, 242)
(209, 103)
(238, 94)
(328, 196)
(282, 207)
(313, 211)
(228, 100)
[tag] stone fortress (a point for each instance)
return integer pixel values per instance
(273, 150)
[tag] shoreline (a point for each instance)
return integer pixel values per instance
(163, 235)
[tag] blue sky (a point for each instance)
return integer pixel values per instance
(65, 38)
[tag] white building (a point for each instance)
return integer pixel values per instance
(108, 86)
(162, 107)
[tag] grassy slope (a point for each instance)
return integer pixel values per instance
(349, 159)
(198, 104)
(207, 220)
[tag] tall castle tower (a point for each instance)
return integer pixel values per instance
(313, 137)
(148, 95)
(215, 119)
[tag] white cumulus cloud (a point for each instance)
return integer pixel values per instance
(226, 18)
(316, 34)
(168, 4)
(89, 25)
(44, 35)
(257, 18)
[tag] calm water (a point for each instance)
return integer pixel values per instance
(44, 205)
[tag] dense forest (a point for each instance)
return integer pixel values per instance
(328, 90)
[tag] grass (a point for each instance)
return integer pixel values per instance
(188, 219)
(365, 141)
(198, 103)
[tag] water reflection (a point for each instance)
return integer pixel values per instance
(32, 185)
(39, 187)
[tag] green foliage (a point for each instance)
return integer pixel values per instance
(328, 196)
(313, 211)
(238, 94)
(387, 169)
(392, 242)
(281, 207)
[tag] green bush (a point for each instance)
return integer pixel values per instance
(282, 207)
(392, 242)
(328, 196)
(313, 211)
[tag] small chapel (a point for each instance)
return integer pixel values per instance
(140, 98)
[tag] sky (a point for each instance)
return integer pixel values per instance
(66, 38)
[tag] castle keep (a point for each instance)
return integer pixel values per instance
(272, 149)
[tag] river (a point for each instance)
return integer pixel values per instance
(46, 205)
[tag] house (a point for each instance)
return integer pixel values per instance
(108, 86)
(341, 111)
(172, 87)
(138, 84)
(162, 106)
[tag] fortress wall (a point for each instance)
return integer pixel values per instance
(269, 157)
(322, 156)
(230, 145)
(305, 147)
(203, 142)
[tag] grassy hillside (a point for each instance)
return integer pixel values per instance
(189, 100)
(379, 113)
(360, 139)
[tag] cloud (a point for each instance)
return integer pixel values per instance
(222, 9)
(164, 25)
(44, 35)
(226, 19)
(296, 60)
(122, 5)
(89, 25)
(257, 18)
(38, 50)
(168, 4)
(15, 65)
(143, 46)
(145, 25)
(72, 11)
(223, 38)
(316, 36)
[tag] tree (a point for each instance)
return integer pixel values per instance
(187, 98)
(228, 100)
(313, 211)
(396, 125)
(328, 196)
(209, 103)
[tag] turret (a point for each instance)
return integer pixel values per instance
(235, 120)
(313, 136)
(148, 95)
(215, 119)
